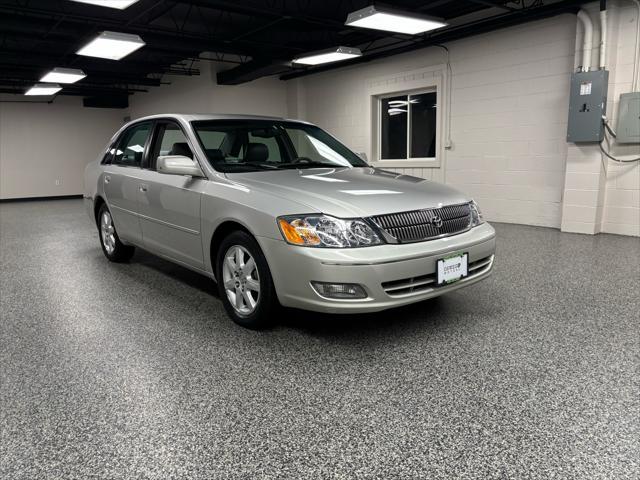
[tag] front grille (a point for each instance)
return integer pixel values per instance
(425, 283)
(419, 225)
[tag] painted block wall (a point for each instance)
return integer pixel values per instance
(602, 195)
(621, 211)
(510, 92)
(45, 147)
(508, 115)
(42, 143)
(201, 94)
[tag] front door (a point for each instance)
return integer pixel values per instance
(121, 180)
(169, 205)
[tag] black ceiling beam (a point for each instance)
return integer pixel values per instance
(243, 8)
(34, 73)
(20, 27)
(72, 89)
(151, 35)
(26, 57)
(494, 4)
(251, 70)
(457, 32)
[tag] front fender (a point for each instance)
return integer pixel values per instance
(254, 209)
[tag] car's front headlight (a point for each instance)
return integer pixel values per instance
(476, 214)
(325, 231)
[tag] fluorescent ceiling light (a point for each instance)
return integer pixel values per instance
(44, 89)
(112, 45)
(63, 75)
(119, 4)
(392, 21)
(328, 56)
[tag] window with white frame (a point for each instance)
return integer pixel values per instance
(407, 126)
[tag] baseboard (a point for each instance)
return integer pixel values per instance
(33, 199)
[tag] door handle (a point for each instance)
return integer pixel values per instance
(144, 187)
(107, 179)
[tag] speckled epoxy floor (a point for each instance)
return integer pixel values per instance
(134, 371)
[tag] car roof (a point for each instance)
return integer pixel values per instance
(191, 117)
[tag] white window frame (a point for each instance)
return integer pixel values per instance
(426, 80)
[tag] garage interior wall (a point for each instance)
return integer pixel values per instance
(201, 94)
(603, 195)
(509, 103)
(44, 147)
(509, 107)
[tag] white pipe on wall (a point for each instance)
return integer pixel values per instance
(603, 38)
(587, 42)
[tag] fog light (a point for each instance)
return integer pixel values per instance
(339, 290)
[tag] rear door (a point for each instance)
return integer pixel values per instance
(121, 179)
(169, 205)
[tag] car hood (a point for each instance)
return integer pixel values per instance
(351, 192)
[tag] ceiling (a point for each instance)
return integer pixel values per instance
(254, 37)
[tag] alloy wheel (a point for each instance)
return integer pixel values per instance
(241, 280)
(108, 232)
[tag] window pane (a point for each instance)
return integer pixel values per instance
(130, 149)
(174, 142)
(423, 125)
(393, 135)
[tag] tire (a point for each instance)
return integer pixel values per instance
(111, 245)
(248, 296)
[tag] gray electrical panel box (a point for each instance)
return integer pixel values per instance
(587, 104)
(628, 126)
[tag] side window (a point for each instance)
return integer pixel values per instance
(173, 141)
(131, 147)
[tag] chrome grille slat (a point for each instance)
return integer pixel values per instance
(479, 264)
(424, 283)
(416, 225)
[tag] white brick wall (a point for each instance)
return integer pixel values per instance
(509, 114)
(201, 94)
(621, 210)
(510, 94)
(602, 195)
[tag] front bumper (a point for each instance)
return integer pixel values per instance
(392, 275)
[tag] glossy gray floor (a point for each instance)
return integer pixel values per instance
(134, 371)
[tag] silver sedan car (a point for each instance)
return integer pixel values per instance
(279, 212)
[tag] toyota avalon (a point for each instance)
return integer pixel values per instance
(279, 212)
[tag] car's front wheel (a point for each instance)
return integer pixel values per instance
(244, 281)
(112, 247)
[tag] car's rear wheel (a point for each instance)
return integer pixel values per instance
(244, 281)
(112, 247)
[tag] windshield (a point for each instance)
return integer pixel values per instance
(253, 145)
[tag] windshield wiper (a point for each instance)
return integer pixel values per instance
(306, 163)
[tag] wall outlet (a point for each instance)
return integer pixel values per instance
(58, 182)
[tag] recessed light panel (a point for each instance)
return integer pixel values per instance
(392, 21)
(327, 56)
(44, 89)
(119, 4)
(63, 75)
(112, 45)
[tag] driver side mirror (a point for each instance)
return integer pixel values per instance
(178, 165)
